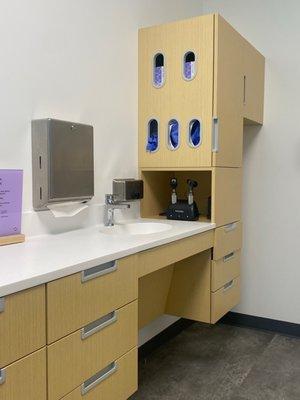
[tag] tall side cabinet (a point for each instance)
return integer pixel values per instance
(200, 82)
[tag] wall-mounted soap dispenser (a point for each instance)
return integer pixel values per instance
(62, 162)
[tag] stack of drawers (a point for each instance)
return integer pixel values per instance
(92, 333)
(22, 345)
(225, 273)
(74, 338)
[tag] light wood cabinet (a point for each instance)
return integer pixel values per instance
(178, 98)
(227, 87)
(227, 239)
(162, 256)
(82, 354)
(189, 295)
(117, 382)
(225, 269)
(25, 379)
(224, 299)
(22, 324)
(79, 299)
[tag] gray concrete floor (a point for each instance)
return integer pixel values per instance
(222, 362)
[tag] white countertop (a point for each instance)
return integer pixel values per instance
(45, 258)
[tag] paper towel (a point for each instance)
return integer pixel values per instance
(67, 209)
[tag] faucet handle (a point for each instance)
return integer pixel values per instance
(109, 199)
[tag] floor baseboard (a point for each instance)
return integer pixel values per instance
(267, 324)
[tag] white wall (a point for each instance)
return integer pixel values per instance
(75, 60)
(271, 252)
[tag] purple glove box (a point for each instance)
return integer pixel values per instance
(11, 189)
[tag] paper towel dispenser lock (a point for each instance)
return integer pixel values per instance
(62, 162)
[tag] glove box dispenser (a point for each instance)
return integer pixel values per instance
(62, 162)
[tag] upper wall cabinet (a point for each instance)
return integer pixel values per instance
(200, 80)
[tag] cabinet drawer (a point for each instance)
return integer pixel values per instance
(80, 355)
(227, 239)
(22, 324)
(151, 260)
(79, 299)
(225, 269)
(224, 299)
(25, 379)
(118, 381)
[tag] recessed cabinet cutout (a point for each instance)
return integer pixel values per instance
(195, 133)
(173, 134)
(189, 65)
(158, 70)
(152, 141)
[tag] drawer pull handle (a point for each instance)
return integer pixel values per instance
(98, 378)
(2, 304)
(230, 227)
(228, 257)
(2, 376)
(99, 270)
(228, 285)
(215, 135)
(98, 325)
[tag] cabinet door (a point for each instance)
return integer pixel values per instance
(25, 379)
(22, 324)
(228, 96)
(254, 77)
(180, 99)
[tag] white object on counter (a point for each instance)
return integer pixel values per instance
(42, 259)
(67, 209)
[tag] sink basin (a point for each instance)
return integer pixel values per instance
(136, 228)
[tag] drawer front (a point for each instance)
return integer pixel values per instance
(79, 299)
(22, 324)
(75, 358)
(118, 381)
(25, 379)
(162, 256)
(225, 269)
(224, 299)
(227, 239)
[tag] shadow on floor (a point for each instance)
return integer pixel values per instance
(222, 362)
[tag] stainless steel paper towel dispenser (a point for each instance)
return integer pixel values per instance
(62, 162)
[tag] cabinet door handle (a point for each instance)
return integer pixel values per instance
(244, 89)
(98, 378)
(228, 257)
(228, 285)
(230, 227)
(99, 270)
(98, 325)
(2, 304)
(215, 135)
(2, 376)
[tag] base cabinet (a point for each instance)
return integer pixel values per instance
(25, 379)
(118, 381)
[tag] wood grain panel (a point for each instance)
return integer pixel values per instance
(226, 195)
(153, 294)
(162, 256)
(178, 98)
(227, 239)
(22, 324)
(26, 378)
(72, 304)
(119, 386)
(72, 360)
(225, 269)
(224, 299)
(189, 295)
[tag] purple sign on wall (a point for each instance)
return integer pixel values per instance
(11, 189)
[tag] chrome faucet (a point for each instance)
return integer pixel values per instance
(111, 204)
